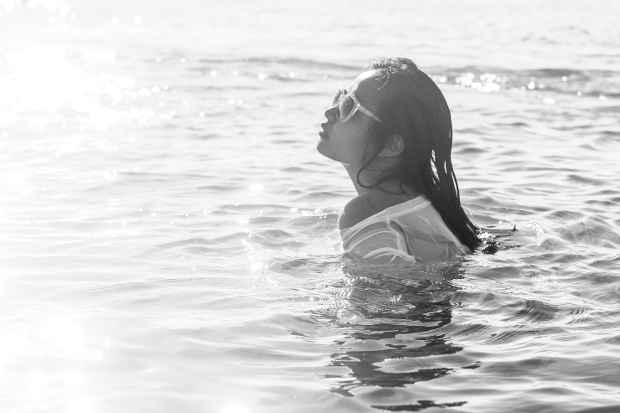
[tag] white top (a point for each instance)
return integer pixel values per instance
(408, 232)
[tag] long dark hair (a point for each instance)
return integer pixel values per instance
(420, 114)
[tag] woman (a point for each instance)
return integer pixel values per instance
(392, 131)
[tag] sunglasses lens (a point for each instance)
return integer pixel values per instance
(345, 107)
(337, 97)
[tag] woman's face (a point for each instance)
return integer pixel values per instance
(346, 141)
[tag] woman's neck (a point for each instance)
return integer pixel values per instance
(391, 187)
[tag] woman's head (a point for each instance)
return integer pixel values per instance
(400, 131)
(354, 127)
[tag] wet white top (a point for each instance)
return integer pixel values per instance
(408, 232)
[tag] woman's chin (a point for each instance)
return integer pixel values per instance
(322, 150)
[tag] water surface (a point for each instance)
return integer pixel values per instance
(169, 233)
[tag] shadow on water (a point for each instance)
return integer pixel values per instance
(393, 316)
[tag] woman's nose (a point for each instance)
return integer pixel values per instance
(331, 113)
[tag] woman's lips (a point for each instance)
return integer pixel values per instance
(323, 132)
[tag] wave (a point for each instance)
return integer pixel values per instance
(592, 82)
(580, 82)
(285, 61)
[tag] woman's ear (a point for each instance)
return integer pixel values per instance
(394, 146)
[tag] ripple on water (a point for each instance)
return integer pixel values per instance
(559, 81)
(243, 207)
(275, 238)
(563, 215)
(315, 222)
(608, 136)
(590, 231)
(607, 262)
(305, 266)
(469, 150)
(589, 180)
(500, 272)
(296, 169)
(281, 60)
(206, 136)
(228, 243)
(218, 188)
(265, 219)
(322, 196)
(534, 311)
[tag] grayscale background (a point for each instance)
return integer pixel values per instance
(168, 236)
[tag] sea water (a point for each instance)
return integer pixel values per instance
(168, 232)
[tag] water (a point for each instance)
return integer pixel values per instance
(169, 238)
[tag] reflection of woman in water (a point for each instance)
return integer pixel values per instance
(392, 130)
(396, 333)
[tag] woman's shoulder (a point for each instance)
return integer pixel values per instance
(356, 210)
(366, 205)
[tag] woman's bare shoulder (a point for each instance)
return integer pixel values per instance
(356, 210)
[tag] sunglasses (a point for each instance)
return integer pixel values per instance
(348, 105)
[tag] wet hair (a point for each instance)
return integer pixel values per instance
(418, 111)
